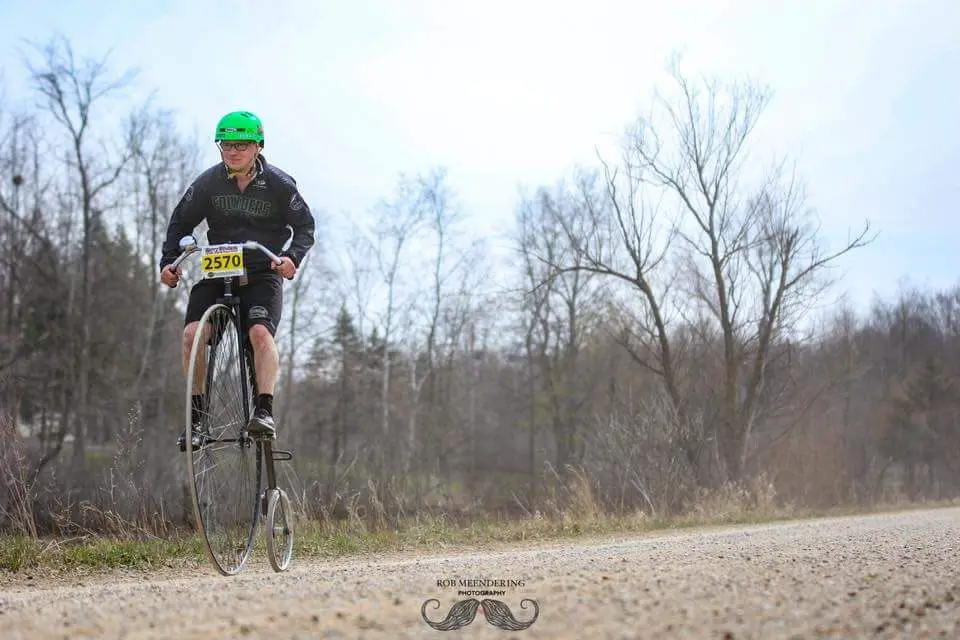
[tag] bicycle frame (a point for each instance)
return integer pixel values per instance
(265, 453)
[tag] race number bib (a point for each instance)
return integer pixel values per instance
(222, 261)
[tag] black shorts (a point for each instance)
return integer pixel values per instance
(261, 300)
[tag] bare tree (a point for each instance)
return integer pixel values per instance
(161, 165)
(560, 309)
(374, 276)
(71, 91)
(751, 264)
(301, 326)
(455, 274)
(534, 310)
(35, 363)
(15, 147)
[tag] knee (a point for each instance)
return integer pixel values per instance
(260, 336)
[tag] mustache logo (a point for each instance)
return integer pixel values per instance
(496, 612)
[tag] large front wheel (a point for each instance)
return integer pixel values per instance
(223, 471)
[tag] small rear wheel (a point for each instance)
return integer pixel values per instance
(279, 528)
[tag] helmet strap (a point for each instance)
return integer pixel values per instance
(246, 171)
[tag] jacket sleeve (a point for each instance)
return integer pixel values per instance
(298, 215)
(185, 217)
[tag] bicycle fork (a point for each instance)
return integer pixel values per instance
(271, 455)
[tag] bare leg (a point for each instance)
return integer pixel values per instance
(266, 359)
(198, 380)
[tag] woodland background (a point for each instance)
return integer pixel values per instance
(667, 328)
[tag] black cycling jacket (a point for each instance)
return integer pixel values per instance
(266, 210)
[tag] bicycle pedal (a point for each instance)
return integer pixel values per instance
(281, 456)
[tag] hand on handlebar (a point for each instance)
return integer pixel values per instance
(285, 268)
(170, 276)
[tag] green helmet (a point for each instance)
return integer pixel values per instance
(240, 125)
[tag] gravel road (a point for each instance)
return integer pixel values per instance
(890, 575)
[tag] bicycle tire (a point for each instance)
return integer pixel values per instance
(227, 526)
(279, 554)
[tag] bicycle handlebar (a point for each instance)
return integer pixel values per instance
(190, 246)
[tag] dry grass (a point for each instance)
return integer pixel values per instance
(128, 546)
(126, 526)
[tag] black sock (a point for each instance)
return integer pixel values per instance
(196, 407)
(265, 403)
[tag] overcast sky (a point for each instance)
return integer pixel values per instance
(510, 93)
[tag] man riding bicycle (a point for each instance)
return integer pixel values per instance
(243, 198)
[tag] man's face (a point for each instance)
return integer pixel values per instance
(238, 155)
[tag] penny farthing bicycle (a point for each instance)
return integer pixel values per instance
(226, 467)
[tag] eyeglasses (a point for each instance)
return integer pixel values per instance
(234, 146)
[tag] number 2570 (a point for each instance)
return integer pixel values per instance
(215, 263)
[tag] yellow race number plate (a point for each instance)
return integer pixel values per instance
(222, 261)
